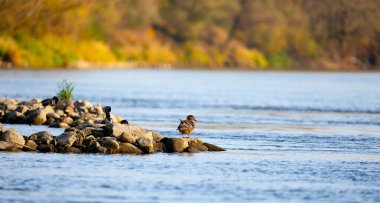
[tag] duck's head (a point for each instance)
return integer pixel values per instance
(107, 109)
(191, 118)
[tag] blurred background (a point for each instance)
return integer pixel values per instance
(253, 34)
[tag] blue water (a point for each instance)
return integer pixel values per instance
(290, 137)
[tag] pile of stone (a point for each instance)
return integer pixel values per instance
(100, 138)
(63, 114)
(84, 131)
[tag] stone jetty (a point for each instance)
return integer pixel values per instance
(84, 131)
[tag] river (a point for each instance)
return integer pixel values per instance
(289, 136)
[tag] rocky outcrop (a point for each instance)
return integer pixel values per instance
(84, 131)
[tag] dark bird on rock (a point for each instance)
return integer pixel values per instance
(53, 101)
(187, 126)
(108, 119)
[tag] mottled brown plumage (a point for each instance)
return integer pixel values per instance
(187, 126)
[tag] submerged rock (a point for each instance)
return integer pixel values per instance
(212, 147)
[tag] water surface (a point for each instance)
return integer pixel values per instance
(299, 137)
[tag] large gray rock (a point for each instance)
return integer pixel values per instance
(174, 144)
(43, 137)
(145, 144)
(125, 137)
(13, 137)
(117, 129)
(66, 139)
(127, 148)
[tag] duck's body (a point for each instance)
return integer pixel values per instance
(187, 126)
(53, 101)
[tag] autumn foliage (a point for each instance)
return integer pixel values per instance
(257, 34)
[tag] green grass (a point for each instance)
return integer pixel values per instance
(65, 90)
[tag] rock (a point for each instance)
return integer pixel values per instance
(48, 109)
(127, 148)
(36, 100)
(125, 137)
(82, 103)
(11, 107)
(145, 144)
(159, 147)
(66, 139)
(98, 110)
(6, 146)
(22, 109)
(73, 150)
(156, 136)
(30, 145)
(67, 120)
(1, 129)
(96, 148)
(174, 144)
(111, 145)
(60, 112)
(13, 137)
(14, 117)
(43, 137)
(88, 141)
(56, 116)
(46, 148)
(117, 118)
(195, 145)
(40, 118)
(59, 125)
(212, 147)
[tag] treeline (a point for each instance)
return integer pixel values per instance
(259, 34)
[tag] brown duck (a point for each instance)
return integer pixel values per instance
(187, 126)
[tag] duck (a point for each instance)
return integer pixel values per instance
(187, 126)
(52, 101)
(108, 119)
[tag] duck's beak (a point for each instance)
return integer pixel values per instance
(196, 120)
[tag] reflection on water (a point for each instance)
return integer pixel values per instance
(289, 137)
